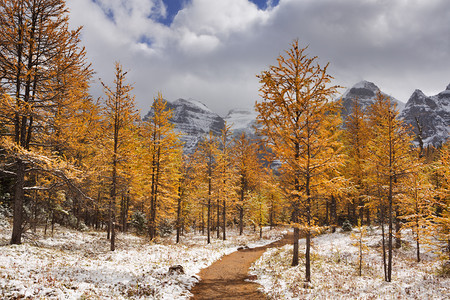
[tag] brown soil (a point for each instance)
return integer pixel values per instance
(226, 278)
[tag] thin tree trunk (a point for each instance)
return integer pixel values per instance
(179, 214)
(218, 219)
(296, 237)
(224, 220)
(398, 227)
(16, 237)
(390, 233)
(383, 240)
(241, 220)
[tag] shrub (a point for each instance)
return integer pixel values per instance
(347, 226)
(139, 221)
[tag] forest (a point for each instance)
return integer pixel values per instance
(67, 159)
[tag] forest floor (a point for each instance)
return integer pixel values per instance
(78, 265)
(335, 269)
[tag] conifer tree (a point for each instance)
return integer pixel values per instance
(390, 158)
(417, 203)
(225, 173)
(356, 137)
(38, 51)
(441, 216)
(120, 114)
(205, 158)
(160, 162)
(248, 170)
(299, 123)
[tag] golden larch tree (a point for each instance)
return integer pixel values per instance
(120, 114)
(38, 51)
(298, 121)
(390, 158)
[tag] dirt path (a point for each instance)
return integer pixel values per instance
(225, 279)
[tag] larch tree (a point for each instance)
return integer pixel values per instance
(38, 49)
(205, 161)
(160, 162)
(247, 164)
(225, 173)
(298, 120)
(356, 137)
(390, 158)
(441, 216)
(417, 202)
(120, 115)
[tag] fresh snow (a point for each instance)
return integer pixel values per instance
(335, 271)
(78, 265)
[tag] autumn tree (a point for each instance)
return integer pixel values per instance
(205, 162)
(120, 113)
(356, 136)
(417, 202)
(160, 162)
(248, 168)
(390, 159)
(299, 123)
(38, 51)
(441, 216)
(225, 173)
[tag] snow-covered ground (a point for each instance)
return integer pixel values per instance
(78, 265)
(335, 261)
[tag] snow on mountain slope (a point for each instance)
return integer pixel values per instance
(432, 114)
(366, 93)
(242, 121)
(193, 120)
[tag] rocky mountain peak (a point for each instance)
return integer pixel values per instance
(193, 120)
(432, 113)
(366, 92)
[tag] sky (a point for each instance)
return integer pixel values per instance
(212, 50)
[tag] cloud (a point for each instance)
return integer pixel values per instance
(213, 49)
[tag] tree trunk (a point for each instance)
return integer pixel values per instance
(308, 237)
(296, 237)
(179, 214)
(383, 243)
(16, 237)
(218, 219)
(208, 225)
(398, 227)
(224, 220)
(241, 220)
(390, 233)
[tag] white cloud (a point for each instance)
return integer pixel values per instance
(214, 48)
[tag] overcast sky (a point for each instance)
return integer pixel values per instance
(212, 50)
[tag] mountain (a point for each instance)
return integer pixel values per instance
(193, 120)
(242, 120)
(366, 92)
(432, 114)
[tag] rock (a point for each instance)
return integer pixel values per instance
(252, 277)
(243, 247)
(177, 269)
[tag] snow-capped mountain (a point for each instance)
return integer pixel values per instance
(366, 92)
(432, 113)
(242, 120)
(193, 120)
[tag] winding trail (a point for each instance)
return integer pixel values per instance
(226, 278)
